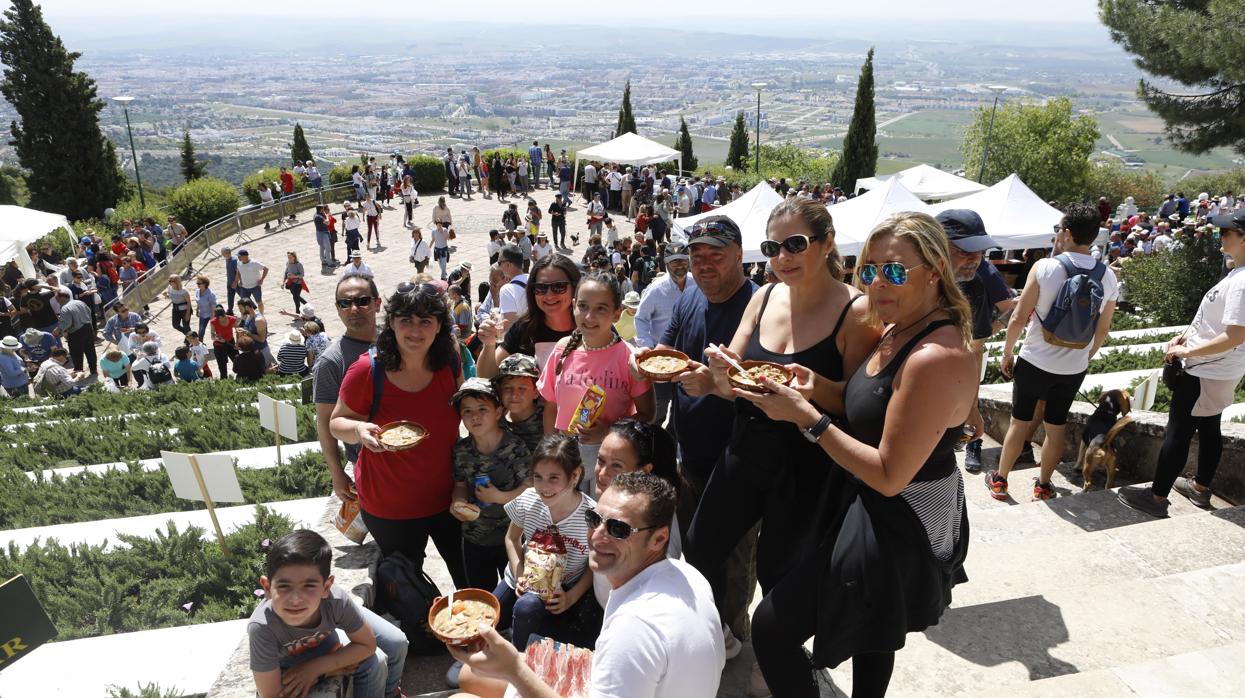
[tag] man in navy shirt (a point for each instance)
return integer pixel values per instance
(231, 276)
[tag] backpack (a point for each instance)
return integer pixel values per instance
(1073, 318)
(159, 373)
(405, 591)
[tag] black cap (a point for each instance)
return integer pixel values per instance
(1230, 221)
(718, 231)
(512, 254)
(965, 230)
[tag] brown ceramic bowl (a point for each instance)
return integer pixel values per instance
(472, 641)
(731, 373)
(422, 434)
(662, 376)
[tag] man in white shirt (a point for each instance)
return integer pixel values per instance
(661, 636)
(590, 181)
(356, 266)
(512, 298)
(616, 181)
(250, 279)
(1050, 369)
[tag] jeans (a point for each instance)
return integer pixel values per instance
(392, 642)
(203, 323)
(296, 292)
(526, 615)
(565, 187)
(326, 249)
(231, 292)
(1181, 425)
(442, 255)
(464, 186)
(410, 537)
(559, 231)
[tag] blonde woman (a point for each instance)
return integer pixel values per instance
(179, 296)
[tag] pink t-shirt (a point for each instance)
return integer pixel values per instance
(607, 368)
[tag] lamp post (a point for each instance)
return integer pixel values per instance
(124, 101)
(985, 155)
(758, 86)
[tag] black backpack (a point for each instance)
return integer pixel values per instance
(405, 591)
(159, 373)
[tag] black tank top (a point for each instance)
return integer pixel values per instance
(866, 398)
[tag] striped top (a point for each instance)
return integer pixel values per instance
(939, 504)
(528, 512)
(292, 358)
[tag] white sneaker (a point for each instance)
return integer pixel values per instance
(733, 645)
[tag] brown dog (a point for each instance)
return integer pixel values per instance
(1098, 437)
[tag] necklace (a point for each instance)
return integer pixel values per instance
(890, 336)
(607, 345)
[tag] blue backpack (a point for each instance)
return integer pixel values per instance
(1073, 318)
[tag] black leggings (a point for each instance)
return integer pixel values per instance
(484, 564)
(296, 292)
(1181, 425)
(224, 352)
(410, 537)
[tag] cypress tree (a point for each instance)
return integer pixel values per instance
(72, 167)
(192, 168)
(737, 155)
(626, 120)
(860, 149)
(300, 151)
(684, 146)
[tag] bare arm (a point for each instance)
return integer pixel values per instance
(343, 486)
(350, 427)
(1103, 328)
(1020, 317)
(550, 417)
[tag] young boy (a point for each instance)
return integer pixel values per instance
(461, 311)
(490, 469)
(515, 384)
(294, 634)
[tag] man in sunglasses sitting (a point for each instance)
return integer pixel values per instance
(660, 636)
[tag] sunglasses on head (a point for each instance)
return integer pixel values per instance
(555, 287)
(794, 244)
(895, 273)
(425, 288)
(358, 302)
(618, 530)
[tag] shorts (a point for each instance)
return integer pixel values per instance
(1030, 384)
(256, 292)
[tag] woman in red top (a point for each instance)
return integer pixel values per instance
(405, 495)
(222, 325)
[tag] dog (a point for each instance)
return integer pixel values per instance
(1098, 436)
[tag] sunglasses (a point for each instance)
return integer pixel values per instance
(895, 273)
(358, 302)
(427, 289)
(555, 287)
(618, 530)
(794, 244)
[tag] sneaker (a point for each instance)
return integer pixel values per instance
(1026, 454)
(1142, 499)
(1189, 489)
(757, 688)
(733, 645)
(997, 485)
(972, 456)
(451, 676)
(1043, 492)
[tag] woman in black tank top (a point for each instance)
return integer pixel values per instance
(770, 472)
(895, 536)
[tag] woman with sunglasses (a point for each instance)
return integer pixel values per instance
(893, 537)
(405, 495)
(548, 318)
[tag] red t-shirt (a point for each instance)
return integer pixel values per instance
(417, 482)
(287, 182)
(224, 328)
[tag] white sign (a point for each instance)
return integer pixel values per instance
(219, 479)
(282, 419)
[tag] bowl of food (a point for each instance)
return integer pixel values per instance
(750, 378)
(399, 436)
(662, 365)
(458, 625)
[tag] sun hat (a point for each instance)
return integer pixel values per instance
(294, 337)
(10, 342)
(631, 300)
(307, 312)
(34, 332)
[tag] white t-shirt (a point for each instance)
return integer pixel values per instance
(1050, 276)
(590, 174)
(249, 273)
(440, 237)
(542, 251)
(661, 637)
(363, 269)
(1223, 305)
(512, 298)
(616, 181)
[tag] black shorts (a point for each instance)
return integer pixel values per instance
(1030, 384)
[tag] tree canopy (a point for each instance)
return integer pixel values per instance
(626, 120)
(860, 149)
(300, 150)
(192, 167)
(737, 153)
(684, 146)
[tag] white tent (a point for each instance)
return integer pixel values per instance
(750, 212)
(1013, 214)
(20, 227)
(926, 183)
(627, 149)
(855, 218)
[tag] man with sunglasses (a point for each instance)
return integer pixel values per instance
(657, 308)
(660, 636)
(512, 298)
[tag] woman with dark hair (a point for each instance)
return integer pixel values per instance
(550, 288)
(405, 495)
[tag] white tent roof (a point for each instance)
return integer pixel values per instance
(855, 218)
(750, 212)
(926, 183)
(1014, 216)
(629, 149)
(20, 227)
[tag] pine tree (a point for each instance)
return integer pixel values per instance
(300, 151)
(626, 121)
(684, 146)
(191, 167)
(860, 149)
(73, 167)
(737, 155)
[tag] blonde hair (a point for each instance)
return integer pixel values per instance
(930, 240)
(815, 216)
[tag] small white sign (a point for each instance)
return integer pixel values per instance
(219, 477)
(284, 416)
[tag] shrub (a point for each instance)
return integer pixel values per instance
(1116, 182)
(1214, 184)
(340, 174)
(1169, 286)
(202, 201)
(144, 690)
(271, 175)
(429, 173)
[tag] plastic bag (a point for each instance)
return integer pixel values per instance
(348, 521)
(544, 562)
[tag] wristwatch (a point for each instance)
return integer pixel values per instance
(814, 432)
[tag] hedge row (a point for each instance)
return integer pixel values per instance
(429, 173)
(1103, 363)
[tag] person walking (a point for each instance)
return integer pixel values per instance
(294, 278)
(420, 252)
(77, 325)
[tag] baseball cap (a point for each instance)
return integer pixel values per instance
(480, 387)
(676, 251)
(966, 230)
(243, 252)
(1230, 221)
(517, 365)
(718, 231)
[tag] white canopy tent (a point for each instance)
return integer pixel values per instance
(21, 226)
(855, 218)
(926, 183)
(627, 149)
(1014, 216)
(750, 212)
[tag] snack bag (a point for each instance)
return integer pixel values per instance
(590, 406)
(544, 562)
(348, 521)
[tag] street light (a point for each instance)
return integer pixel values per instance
(985, 155)
(758, 86)
(125, 100)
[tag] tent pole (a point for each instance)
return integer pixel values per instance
(574, 182)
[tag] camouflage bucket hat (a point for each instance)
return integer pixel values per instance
(476, 387)
(518, 365)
